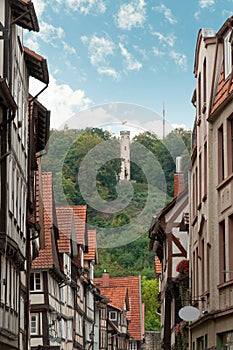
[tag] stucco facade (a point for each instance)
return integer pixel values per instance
(211, 205)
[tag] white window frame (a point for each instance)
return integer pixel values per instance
(69, 329)
(34, 318)
(111, 317)
(36, 288)
(133, 345)
(227, 55)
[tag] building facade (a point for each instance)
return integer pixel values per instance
(170, 241)
(135, 314)
(17, 63)
(211, 205)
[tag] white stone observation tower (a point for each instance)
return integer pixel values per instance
(125, 155)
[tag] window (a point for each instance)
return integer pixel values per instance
(35, 282)
(227, 55)
(208, 266)
(133, 345)
(69, 330)
(69, 296)
(200, 182)
(230, 144)
(205, 171)
(230, 247)
(199, 101)
(113, 315)
(34, 324)
(221, 173)
(204, 87)
(222, 252)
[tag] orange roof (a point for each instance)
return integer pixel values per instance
(80, 215)
(133, 284)
(116, 295)
(92, 251)
(77, 213)
(224, 88)
(158, 266)
(64, 219)
(45, 258)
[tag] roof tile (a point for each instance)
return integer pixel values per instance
(133, 284)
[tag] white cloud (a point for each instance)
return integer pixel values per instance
(68, 49)
(206, 3)
(197, 15)
(179, 59)
(157, 52)
(39, 7)
(32, 44)
(168, 40)
(130, 61)
(108, 71)
(60, 99)
(84, 7)
(50, 34)
(167, 13)
(131, 15)
(99, 50)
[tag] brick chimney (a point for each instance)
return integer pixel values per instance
(105, 279)
(178, 178)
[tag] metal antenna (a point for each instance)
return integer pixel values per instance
(163, 120)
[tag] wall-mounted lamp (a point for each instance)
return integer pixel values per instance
(54, 316)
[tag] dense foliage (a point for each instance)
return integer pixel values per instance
(85, 166)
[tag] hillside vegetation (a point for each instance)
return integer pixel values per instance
(85, 166)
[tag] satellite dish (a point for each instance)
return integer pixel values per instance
(189, 313)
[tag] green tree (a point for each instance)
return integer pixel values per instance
(150, 291)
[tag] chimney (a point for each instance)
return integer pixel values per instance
(105, 279)
(178, 178)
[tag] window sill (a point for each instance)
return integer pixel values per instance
(224, 182)
(225, 284)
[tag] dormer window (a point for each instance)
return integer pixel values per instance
(227, 55)
(113, 315)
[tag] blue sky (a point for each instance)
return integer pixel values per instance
(136, 52)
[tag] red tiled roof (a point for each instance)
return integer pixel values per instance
(224, 88)
(92, 252)
(77, 213)
(64, 219)
(133, 284)
(116, 295)
(45, 258)
(158, 266)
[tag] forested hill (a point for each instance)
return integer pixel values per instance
(85, 166)
(122, 235)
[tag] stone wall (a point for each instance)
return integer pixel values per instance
(152, 341)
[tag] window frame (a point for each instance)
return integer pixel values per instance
(36, 321)
(35, 289)
(112, 318)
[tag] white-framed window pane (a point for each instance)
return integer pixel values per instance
(113, 315)
(69, 330)
(133, 345)
(34, 324)
(35, 281)
(227, 55)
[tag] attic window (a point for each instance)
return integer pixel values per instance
(227, 55)
(113, 315)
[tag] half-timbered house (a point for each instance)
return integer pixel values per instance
(169, 240)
